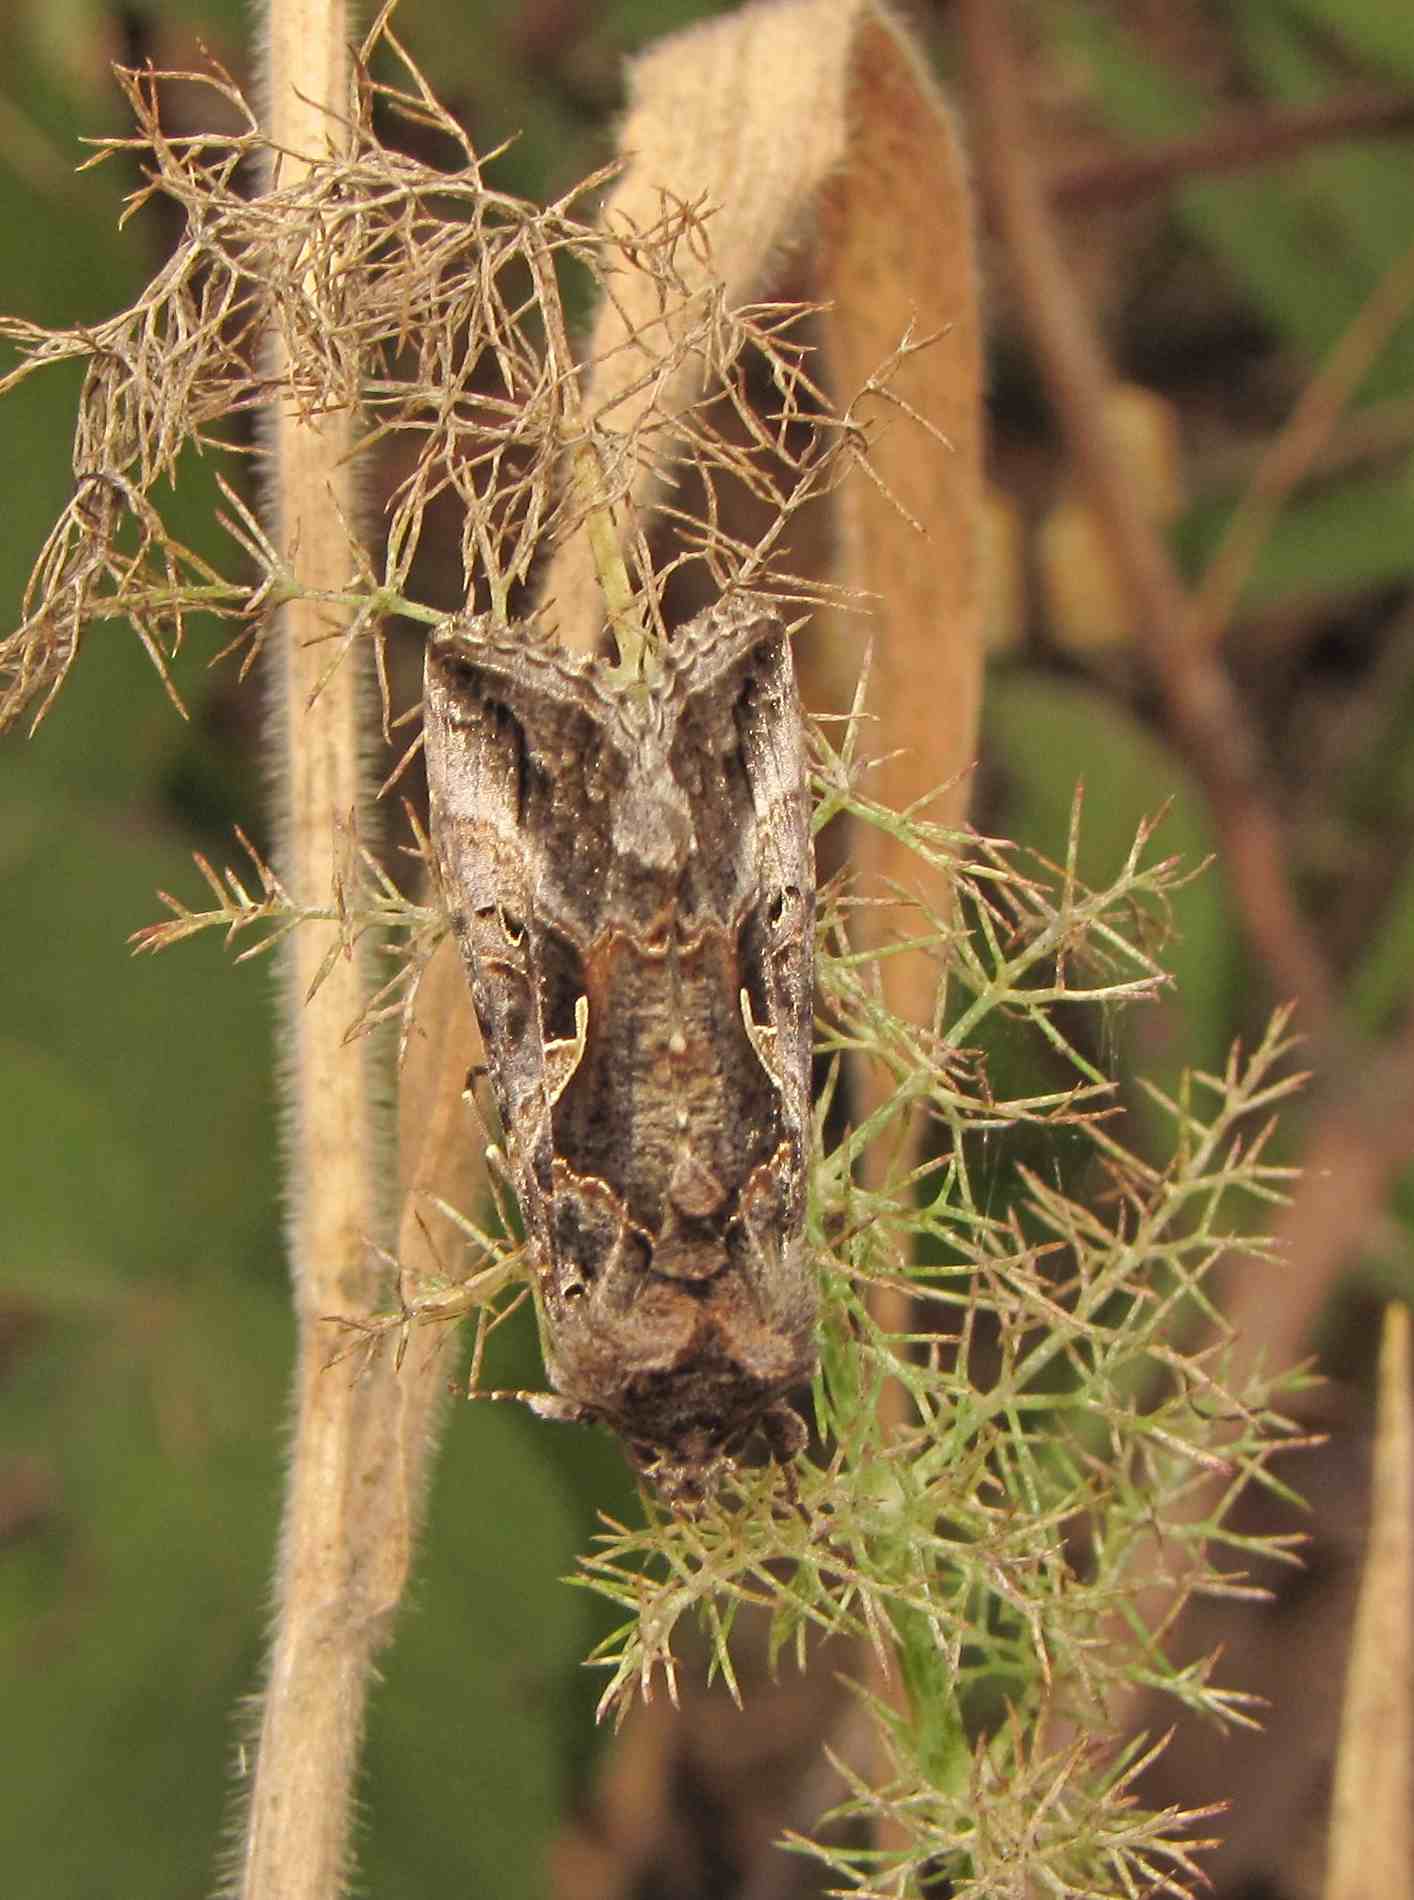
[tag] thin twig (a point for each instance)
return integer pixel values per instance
(1373, 433)
(1243, 143)
(636, 658)
(1292, 454)
(1358, 1145)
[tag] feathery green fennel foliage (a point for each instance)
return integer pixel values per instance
(1070, 1462)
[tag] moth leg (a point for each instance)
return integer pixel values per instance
(544, 1405)
(475, 1076)
(786, 1437)
(498, 1178)
(785, 1432)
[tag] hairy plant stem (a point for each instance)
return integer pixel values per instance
(356, 1454)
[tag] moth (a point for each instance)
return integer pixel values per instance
(629, 876)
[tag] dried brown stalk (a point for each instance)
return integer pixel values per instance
(328, 1620)
(360, 1446)
(1372, 1840)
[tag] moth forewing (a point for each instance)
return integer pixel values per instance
(630, 880)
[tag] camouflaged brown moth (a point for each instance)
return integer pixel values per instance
(629, 876)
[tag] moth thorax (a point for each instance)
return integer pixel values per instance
(653, 820)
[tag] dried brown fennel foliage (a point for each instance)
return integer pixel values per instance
(410, 294)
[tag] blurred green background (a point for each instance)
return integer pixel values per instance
(144, 1334)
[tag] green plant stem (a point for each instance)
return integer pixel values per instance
(637, 659)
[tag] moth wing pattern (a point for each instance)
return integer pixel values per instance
(740, 659)
(484, 693)
(629, 878)
(750, 661)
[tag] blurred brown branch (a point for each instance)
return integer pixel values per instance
(1239, 143)
(1201, 706)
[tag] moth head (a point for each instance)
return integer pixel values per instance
(685, 1476)
(687, 1472)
